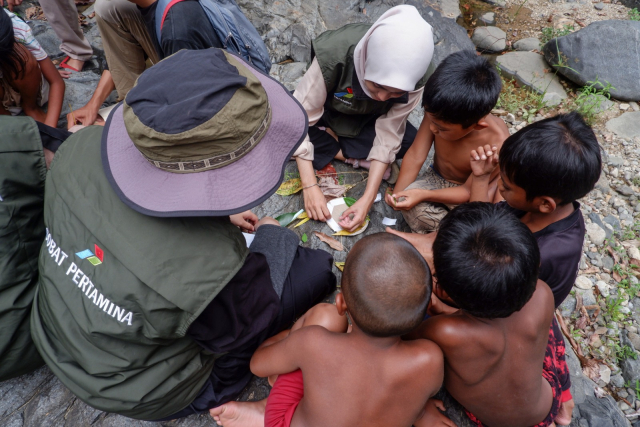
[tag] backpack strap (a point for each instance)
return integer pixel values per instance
(162, 9)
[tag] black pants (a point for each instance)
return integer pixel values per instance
(325, 147)
(52, 138)
(309, 281)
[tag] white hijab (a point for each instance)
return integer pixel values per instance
(396, 51)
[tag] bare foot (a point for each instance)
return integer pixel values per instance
(240, 414)
(565, 413)
(75, 63)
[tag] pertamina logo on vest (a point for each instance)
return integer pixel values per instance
(344, 97)
(95, 259)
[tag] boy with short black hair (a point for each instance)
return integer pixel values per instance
(544, 168)
(386, 287)
(458, 99)
(503, 350)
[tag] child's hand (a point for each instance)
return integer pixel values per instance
(405, 200)
(246, 220)
(432, 417)
(484, 160)
(353, 217)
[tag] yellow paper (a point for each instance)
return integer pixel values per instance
(340, 265)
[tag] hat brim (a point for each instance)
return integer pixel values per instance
(228, 190)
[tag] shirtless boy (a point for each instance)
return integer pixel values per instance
(504, 354)
(458, 99)
(368, 377)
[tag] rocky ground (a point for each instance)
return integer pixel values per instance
(602, 314)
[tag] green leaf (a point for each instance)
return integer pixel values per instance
(287, 218)
(304, 238)
(349, 201)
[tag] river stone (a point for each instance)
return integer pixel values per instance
(491, 39)
(596, 234)
(531, 70)
(626, 125)
(528, 44)
(47, 38)
(289, 74)
(488, 18)
(616, 59)
(590, 411)
(583, 282)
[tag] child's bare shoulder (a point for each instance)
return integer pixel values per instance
(449, 330)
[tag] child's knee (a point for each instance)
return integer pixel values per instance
(267, 220)
(326, 315)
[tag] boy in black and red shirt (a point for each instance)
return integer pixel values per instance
(544, 169)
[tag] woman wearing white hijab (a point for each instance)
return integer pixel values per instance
(358, 92)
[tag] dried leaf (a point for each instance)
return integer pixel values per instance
(329, 171)
(600, 393)
(301, 222)
(634, 263)
(303, 215)
(329, 241)
(304, 237)
(590, 368)
(340, 265)
(290, 187)
(330, 188)
(616, 276)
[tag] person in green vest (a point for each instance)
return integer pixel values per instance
(150, 304)
(362, 84)
(25, 153)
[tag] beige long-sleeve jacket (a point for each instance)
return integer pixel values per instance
(312, 94)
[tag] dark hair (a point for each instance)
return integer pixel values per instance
(12, 60)
(486, 260)
(463, 89)
(386, 285)
(557, 157)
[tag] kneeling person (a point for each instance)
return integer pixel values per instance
(154, 304)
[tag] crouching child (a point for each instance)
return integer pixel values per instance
(504, 353)
(369, 376)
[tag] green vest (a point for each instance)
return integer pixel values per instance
(347, 109)
(119, 290)
(22, 175)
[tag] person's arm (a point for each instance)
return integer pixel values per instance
(88, 114)
(281, 356)
(415, 157)
(311, 92)
(11, 4)
(484, 171)
(56, 91)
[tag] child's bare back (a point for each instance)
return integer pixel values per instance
(491, 362)
(350, 379)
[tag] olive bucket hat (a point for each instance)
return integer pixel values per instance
(201, 133)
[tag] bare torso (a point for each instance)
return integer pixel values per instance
(352, 382)
(493, 367)
(451, 159)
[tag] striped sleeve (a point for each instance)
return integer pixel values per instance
(23, 35)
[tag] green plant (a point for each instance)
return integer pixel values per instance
(623, 352)
(612, 309)
(589, 100)
(634, 14)
(515, 99)
(550, 33)
(636, 387)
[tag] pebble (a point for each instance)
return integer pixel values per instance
(603, 288)
(583, 282)
(596, 234)
(623, 406)
(635, 339)
(599, 6)
(633, 252)
(625, 107)
(605, 374)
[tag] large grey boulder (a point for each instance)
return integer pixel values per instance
(606, 50)
(626, 126)
(288, 27)
(491, 39)
(591, 411)
(531, 70)
(47, 38)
